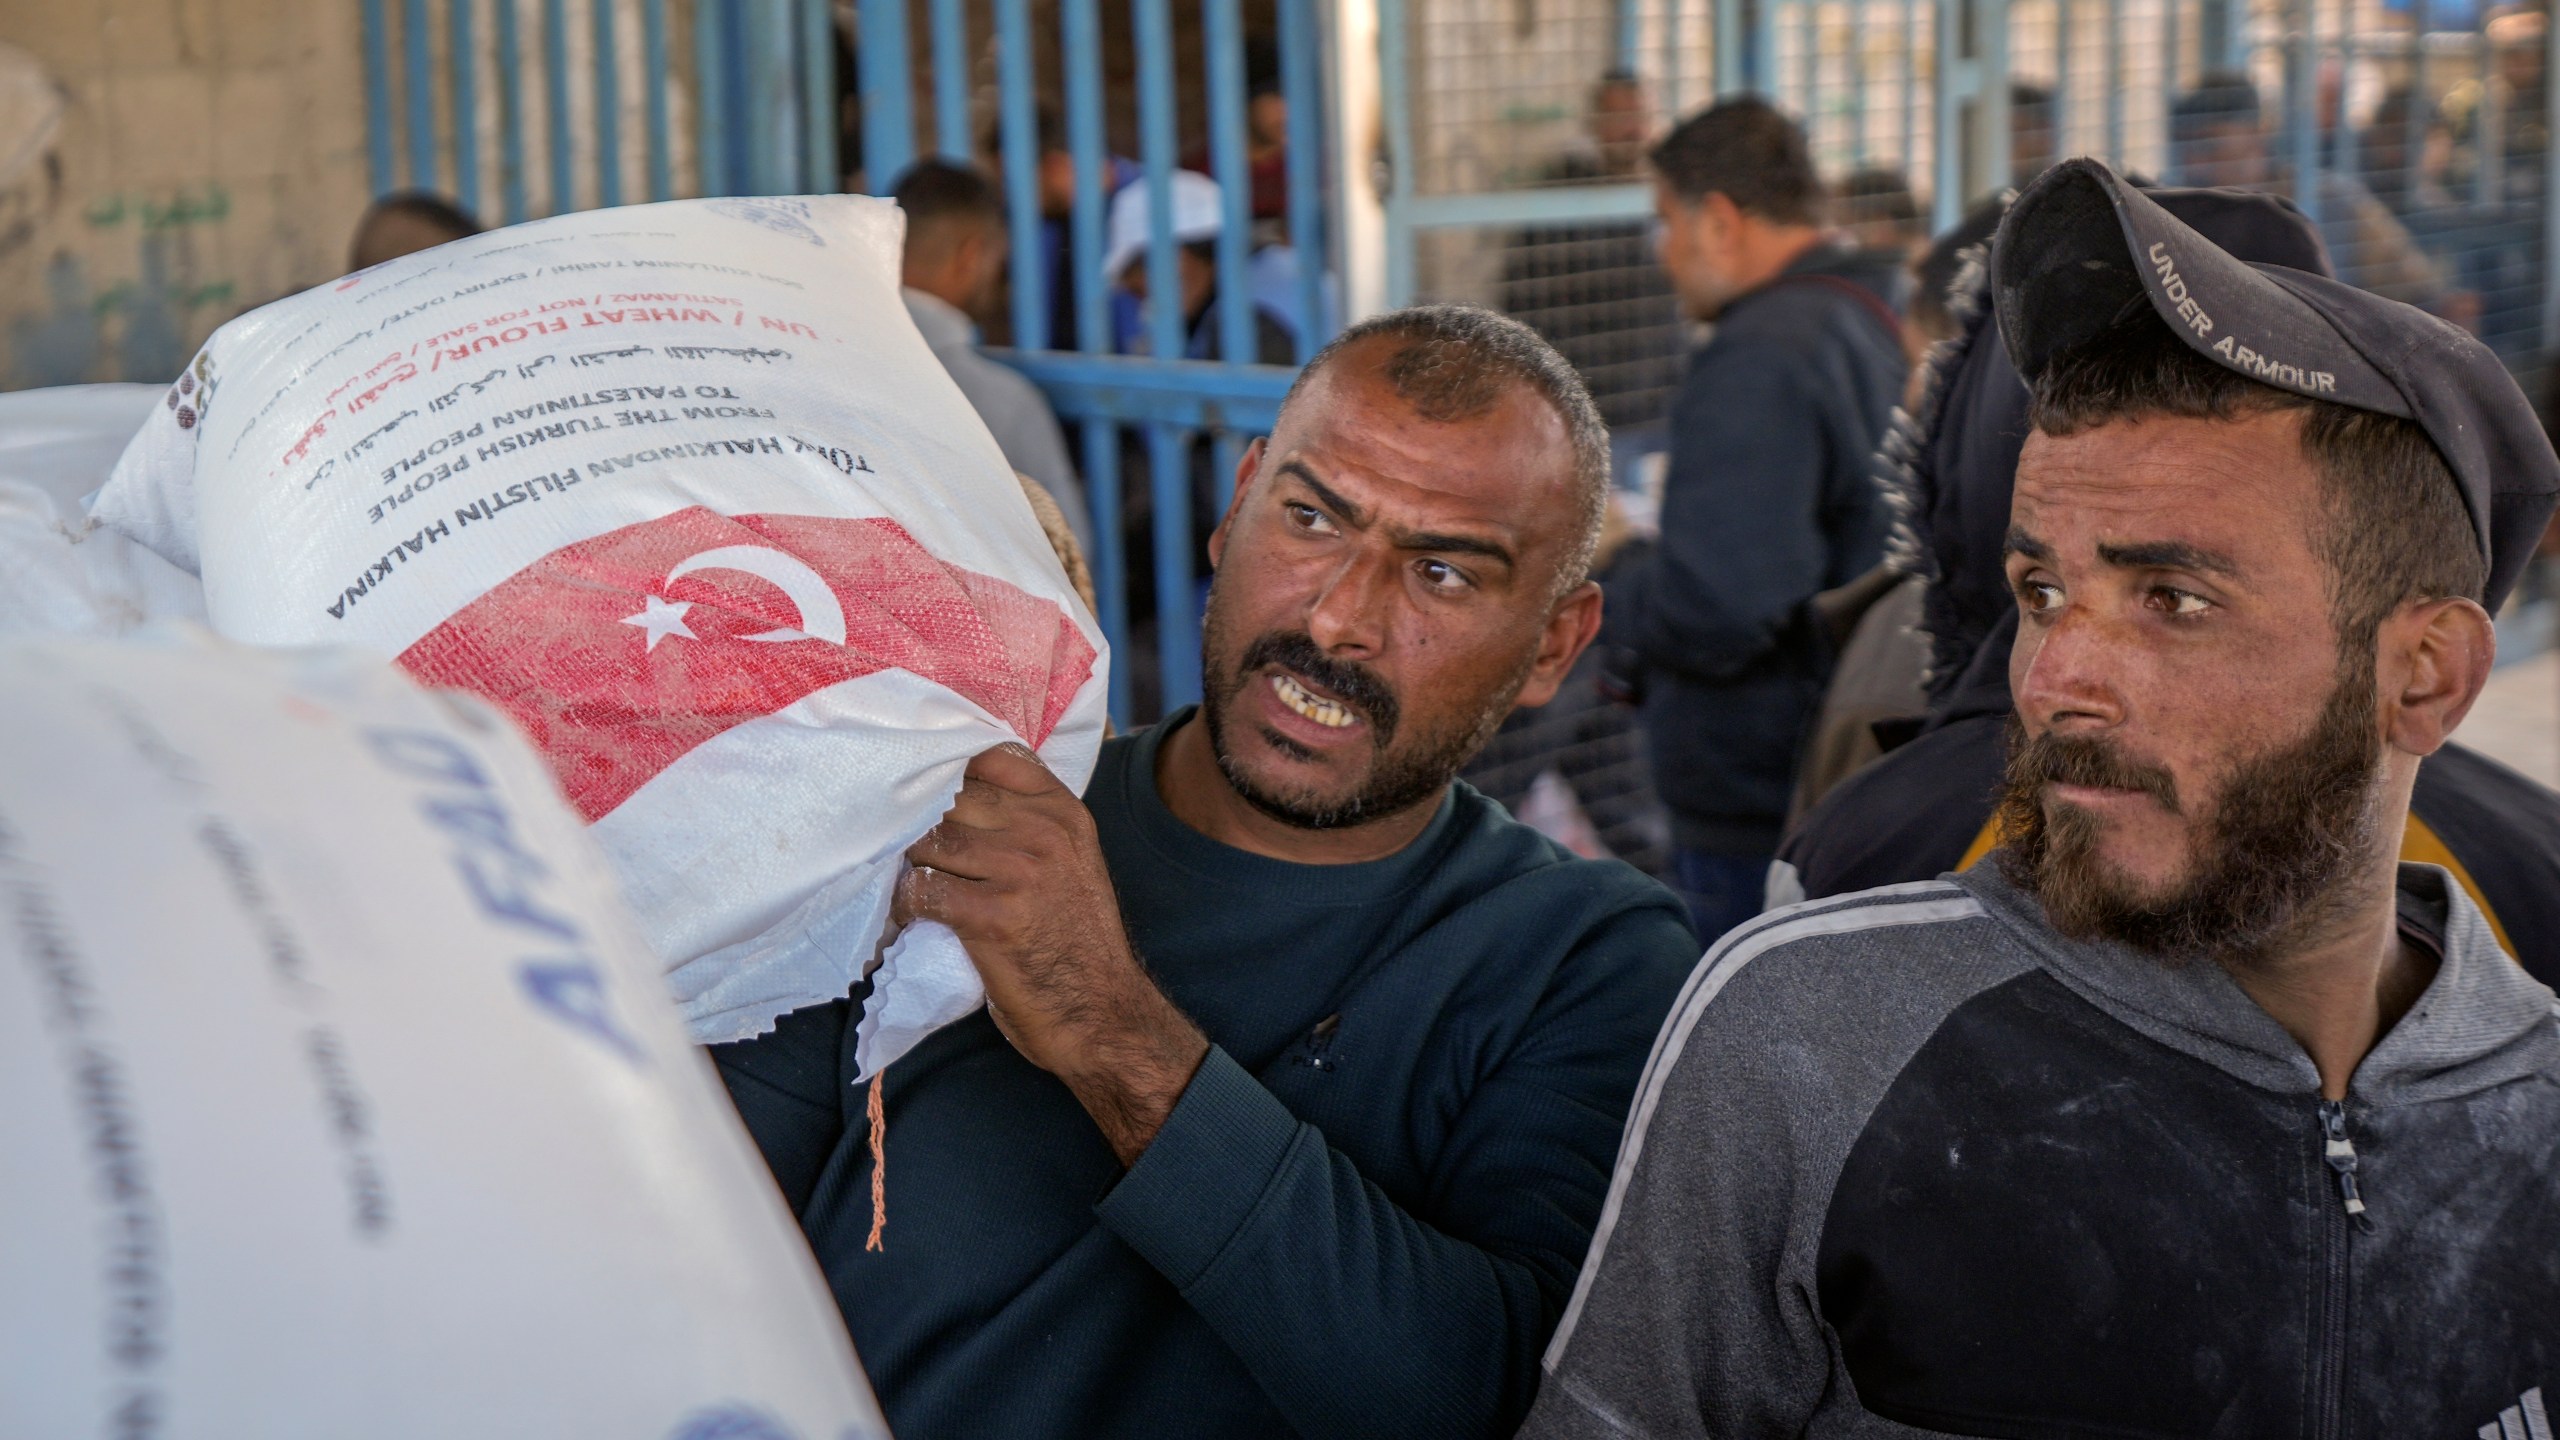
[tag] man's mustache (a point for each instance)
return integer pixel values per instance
(1353, 685)
(2051, 759)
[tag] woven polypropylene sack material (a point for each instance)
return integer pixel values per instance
(344, 1098)
(61, 574)
(679, 489)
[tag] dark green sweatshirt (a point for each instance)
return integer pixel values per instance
(1362, 1218)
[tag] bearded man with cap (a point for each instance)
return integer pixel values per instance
(1930, 804)
(2198, 1113)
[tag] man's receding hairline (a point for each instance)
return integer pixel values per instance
(1322, 369)
(1324, 372)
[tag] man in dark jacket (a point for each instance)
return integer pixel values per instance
(1303, 1066)
(2199, 1114)
(1927, 807)
(1769, 499)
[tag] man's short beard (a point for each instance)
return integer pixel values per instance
(2271, 852)
(1396, 781)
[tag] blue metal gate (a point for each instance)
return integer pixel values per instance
(521, 108)
(1174, 403)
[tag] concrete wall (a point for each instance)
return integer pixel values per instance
(205, 157)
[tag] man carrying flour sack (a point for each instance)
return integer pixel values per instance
(1304, 1065)
(2197, 1113)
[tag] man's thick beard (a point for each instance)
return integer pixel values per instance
(2268, 860)
(1396, 782)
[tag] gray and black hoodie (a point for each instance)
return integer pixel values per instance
(1906, 1163)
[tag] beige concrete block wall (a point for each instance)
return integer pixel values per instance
(209, 158)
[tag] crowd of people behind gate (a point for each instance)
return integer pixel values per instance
(2124, 1009)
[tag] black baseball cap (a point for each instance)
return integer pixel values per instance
(2081, 246)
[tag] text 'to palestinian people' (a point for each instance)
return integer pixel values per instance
(1303, 1066)
(2198, 1113)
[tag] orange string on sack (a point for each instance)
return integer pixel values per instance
(879, 1163)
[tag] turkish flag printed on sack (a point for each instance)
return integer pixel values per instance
(621, 653)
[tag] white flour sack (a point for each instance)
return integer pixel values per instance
(343, 1098)
(61, 573)
(680, 490)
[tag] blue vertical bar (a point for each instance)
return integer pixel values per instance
(772, 156)
(1630, 34)
(1300, 65)
(510, 114)
(1020, 144)
(950, 20)
(1082, 33)
(1168, 450)
(1153, 24)
(1166, 337)
(418, 65)
(1222, 34)
(653, 68)
(1395, 83)
(555, 66)
(1080, 45)
(766, 152)
(380, 152)
(888, 111)
(711, 97)
(608, 108)
(818, 98)
(463, 60)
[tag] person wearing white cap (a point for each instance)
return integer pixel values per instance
(1198, 219)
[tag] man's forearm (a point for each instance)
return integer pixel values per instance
(1135, 1075)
